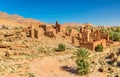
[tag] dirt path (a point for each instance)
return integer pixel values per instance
(57, 66)
(53, 66)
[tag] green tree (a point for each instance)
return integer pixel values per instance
(118, 29)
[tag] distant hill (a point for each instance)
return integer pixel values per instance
(16, 20)
(77, 24)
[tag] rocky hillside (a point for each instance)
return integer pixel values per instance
(15, 20)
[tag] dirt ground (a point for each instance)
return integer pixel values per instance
(31, 58)
(60, 65)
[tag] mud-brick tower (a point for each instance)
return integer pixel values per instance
(58, 27)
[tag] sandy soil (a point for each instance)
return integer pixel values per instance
(54, 65)
(48, 66)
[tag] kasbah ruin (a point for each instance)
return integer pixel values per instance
(88, 37)
(29, 48)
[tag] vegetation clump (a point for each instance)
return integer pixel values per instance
(115, 36)
(82, 61)
(77, 28)
(68, 29)
(61, 47)
(31, 75)
(114, 32)
(99, 48)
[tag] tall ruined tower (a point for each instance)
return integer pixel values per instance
(88, 35)
(58, 27)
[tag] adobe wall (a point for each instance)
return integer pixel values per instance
(26, 30)
(92, 45)
(31, 30)
(63, 29)
(88, 45)
(73, 40)
(53, 30)
(47, 27)
(60, 28)
(104, 36)
(102, 41)
(74, 32)
(49, 34)
(38, 33)
(36, 25)
(31, 33)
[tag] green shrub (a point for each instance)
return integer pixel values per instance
(31, 75)
(68, 28)
(82, 63)
(82, 67)
(99, 48)
(115, 36)
(103, 30)
(61, 47)
(77, 28)
(82, 53)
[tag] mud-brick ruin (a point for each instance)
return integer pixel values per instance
(90, 38)
(38, 30)
(87, 36)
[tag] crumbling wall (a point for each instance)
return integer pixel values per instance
(74, 32)
(104, 36)
(87, 45)
(36, 34)
(49, 34)
(92, 45)
(31, 33)
(102, 41)
(48, 27)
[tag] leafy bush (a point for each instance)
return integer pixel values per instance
(68, 28)
(114, 32)
(31, 75)
(115, 36)
(99, 48)
(77, 28)
(103, 30)
(61, 47)
(82, 63)
(82, 53)
(83, 67)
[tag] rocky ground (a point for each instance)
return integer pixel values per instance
(25, 57)
(49, 63)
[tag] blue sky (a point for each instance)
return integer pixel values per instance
(98, 12)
